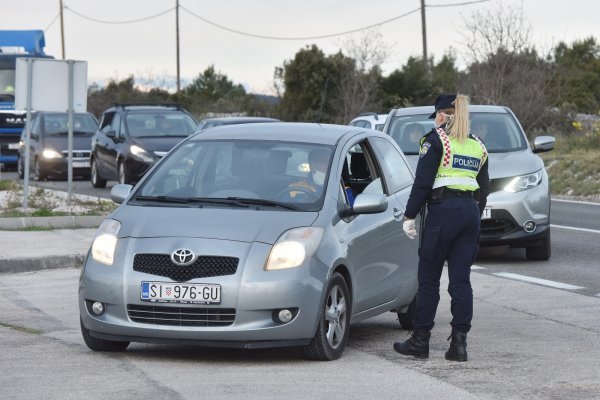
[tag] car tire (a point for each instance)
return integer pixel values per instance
(20, 168)
(123, 176)
(101, 344)
(38, 172)
(334, 323)
(406, 318)
(95, 178)
(541, 252)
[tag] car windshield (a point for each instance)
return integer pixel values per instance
(271, 174)
(499, 132)
(7, 85)
(163, 123)
(57, 124)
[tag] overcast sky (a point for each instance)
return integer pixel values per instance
(147, 48)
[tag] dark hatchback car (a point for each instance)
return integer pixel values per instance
(48, 144)
(218, 121)
(132, 138)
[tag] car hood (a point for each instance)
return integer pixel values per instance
(158, 143)
(60, 143)
(502, 165)
(244, 225)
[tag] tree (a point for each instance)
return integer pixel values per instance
(505, 69)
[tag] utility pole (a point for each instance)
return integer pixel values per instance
(424, 29)
(177, 36)
(62, 30)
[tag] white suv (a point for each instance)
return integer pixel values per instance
(370, 120)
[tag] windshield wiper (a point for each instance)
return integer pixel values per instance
(263, 202)
(187, 200)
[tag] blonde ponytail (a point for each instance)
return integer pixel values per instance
(458, 126)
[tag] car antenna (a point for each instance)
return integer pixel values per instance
(323, 101)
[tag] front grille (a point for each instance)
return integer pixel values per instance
(496, 227)
(203, 267)
(181, 316)
(81, 155)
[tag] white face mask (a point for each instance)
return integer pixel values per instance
(318, 177)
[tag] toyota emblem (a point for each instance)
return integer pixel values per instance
(182, 257)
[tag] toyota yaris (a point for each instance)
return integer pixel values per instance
(258, 235)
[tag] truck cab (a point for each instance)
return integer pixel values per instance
(13, 45)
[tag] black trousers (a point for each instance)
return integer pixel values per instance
(451, 233)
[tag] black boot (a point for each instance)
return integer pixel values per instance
(458, 347)
(417, 345)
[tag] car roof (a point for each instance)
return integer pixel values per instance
(284, 131)
(430, 109)
(240, 119)
(148, 106)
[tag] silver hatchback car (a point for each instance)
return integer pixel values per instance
(239, 238)
(518, 207)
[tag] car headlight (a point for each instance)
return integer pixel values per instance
(520, 183)
(105, 241)
(51, 153)
(293, 247)
(141, 153)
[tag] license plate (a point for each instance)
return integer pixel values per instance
(191, 293)
(13, 146)
(81, 164)
(487, 213)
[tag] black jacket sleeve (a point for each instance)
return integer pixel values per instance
(483, 179)
(429, 162)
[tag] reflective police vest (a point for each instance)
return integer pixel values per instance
(460, 162)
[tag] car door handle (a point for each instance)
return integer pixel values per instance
(398, 214)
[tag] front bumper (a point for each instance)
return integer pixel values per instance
(60, 166)
(510, 212)
(253, 293)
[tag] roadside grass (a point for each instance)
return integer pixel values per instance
(44, 203)
(574, 165)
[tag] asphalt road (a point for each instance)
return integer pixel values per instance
(575, 252)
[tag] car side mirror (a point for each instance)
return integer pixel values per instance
(367, 203)
(33, 136)
(120, 192)
(543, 143)
(111, 134)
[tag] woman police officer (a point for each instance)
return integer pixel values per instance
(452, 178)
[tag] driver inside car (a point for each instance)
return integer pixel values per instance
(318, 162)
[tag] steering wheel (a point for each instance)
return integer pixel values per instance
(310, 195)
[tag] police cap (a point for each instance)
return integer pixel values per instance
(442, 102)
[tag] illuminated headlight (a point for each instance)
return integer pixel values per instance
(293, 247)
(520, 183)
(51, 153)
(105, 241)
(141, 153)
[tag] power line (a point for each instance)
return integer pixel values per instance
(300, 37)
(120, 22)
(466, 3)
(52, 22)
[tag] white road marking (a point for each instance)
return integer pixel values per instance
(575, 228)
(539, 281)
(476, 267)
(577, 202)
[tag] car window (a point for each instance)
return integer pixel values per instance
(499, 132)
(105, 125)
(358, 174)
(396, 171)
(159, 123)
(116, 125)
(256, 169)
(407, 131)
(57, 124)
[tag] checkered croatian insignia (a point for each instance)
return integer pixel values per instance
(424, 149)
(446, 144)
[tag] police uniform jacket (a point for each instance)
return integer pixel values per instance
(430, 157)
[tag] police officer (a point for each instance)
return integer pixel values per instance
(452, 178)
